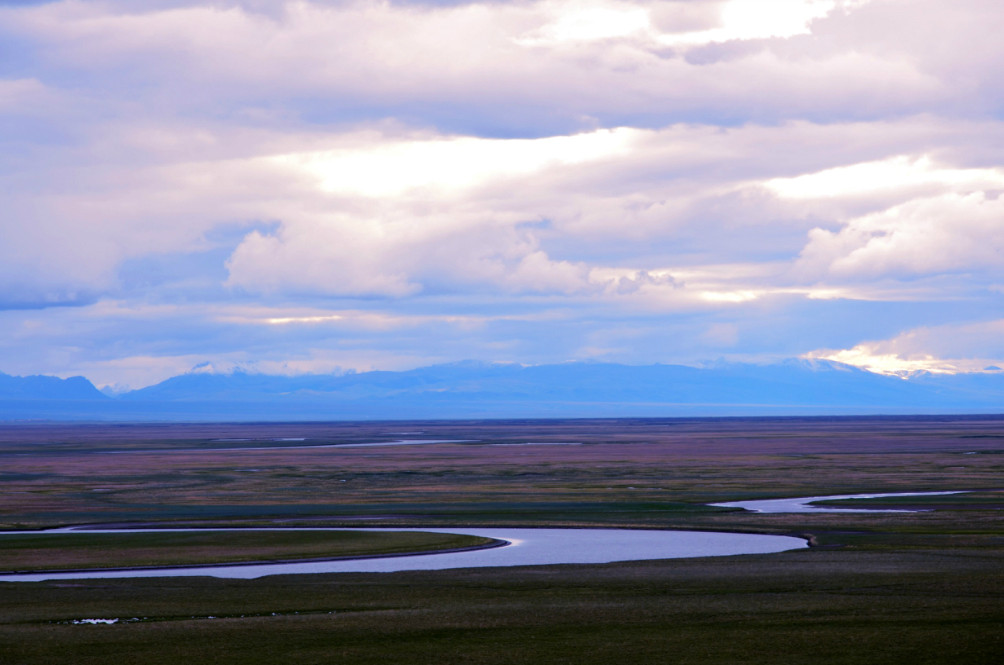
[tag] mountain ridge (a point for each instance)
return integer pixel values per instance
(38, 386)
(500, 390)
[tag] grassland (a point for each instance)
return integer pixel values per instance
(82, 550)
(922, 587)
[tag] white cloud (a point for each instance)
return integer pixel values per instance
(951, 232)
(672, 23)
(379, 55)
(345, 258)
(352, 319)
(453, 214)
(394, 216)
(901, 174)
(944, 349)
(755, 19)
(390, 168)
(729, 296)
(581, 21)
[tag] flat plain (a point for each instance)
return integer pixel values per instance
(884, 587)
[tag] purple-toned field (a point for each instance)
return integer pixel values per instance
(618, 472)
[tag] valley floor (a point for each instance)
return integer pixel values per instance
(925, 587)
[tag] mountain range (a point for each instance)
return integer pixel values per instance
(494, 390)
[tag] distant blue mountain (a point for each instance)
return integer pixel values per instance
(487, 390)
(47, 388)
(794, 383)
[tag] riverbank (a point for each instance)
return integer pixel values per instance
(85, 551)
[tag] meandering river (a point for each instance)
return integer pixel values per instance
(523, 547)
(526, 547)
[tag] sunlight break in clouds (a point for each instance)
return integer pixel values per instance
(896, 173)
(867, 357)
(447, 164)
(583, 21)
(755, 19)
(945, 349)
(578, 21)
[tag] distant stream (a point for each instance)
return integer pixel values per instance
(804, 504)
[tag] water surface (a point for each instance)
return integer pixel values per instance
(804, 504)
(526, 547)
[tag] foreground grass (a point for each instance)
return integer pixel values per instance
(81, 550)
(935, 606)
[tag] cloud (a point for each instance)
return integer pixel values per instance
(585, 22)
(381, 168)
(897, 176)
(528, 181)
(394, 259)
(743, 20)
(432, 223)
(422, 212)
(392, 212)
(512, 65)
(951, 232)
(946, 349)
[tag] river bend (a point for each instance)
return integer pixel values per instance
(526, 547)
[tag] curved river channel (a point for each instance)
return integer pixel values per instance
(805, 504)
(523, 547)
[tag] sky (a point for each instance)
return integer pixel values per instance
(305, 187)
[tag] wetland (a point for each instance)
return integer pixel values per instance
(874, 587)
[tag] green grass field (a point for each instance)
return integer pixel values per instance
(924, 587)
